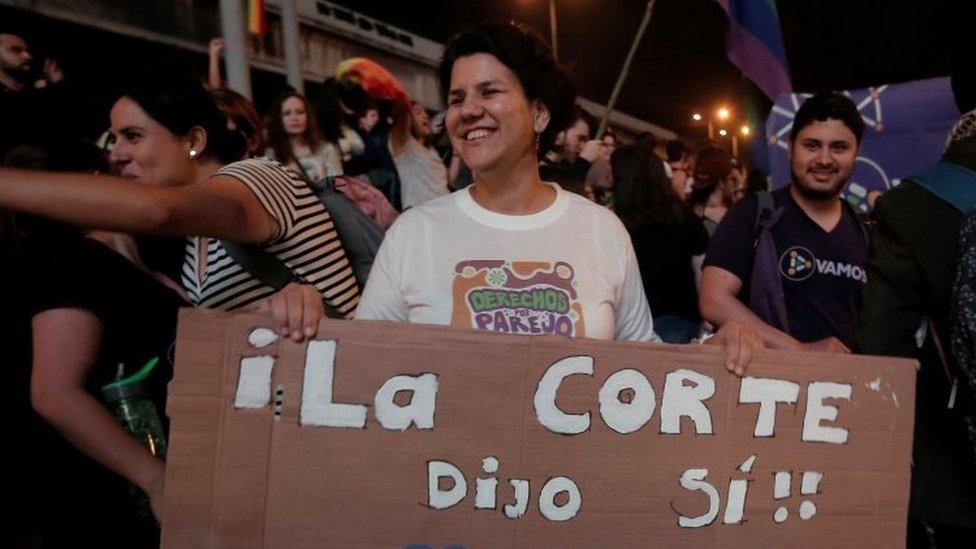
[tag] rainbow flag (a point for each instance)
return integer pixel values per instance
(755, 44)
(255, 17)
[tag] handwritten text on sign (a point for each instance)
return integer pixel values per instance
(383, 434)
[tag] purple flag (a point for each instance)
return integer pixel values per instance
(755, 44)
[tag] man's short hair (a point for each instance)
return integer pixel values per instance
(7, 31)
(590, 120)
(676, 150)
(828, 105)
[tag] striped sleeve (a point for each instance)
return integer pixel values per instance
(305, 239)
(281, 193)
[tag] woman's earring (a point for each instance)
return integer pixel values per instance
(193, 153)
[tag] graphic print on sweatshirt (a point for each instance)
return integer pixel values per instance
(518, 297)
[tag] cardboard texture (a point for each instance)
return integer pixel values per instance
(244, 478)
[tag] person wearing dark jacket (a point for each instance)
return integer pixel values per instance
(910, 274)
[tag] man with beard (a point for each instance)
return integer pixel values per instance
(16, 93)
(575, 147)
(808, 250)
(15, 60)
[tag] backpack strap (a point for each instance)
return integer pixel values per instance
(950, 182)
(765, 283)
(767, 205)
(859, 219)
(260, 264)
(268, 268)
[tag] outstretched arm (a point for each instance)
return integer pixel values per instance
(219, 207)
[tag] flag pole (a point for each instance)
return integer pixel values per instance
(625, 69)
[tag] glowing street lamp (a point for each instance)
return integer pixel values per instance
(723, 133)
(723, 113)
(745, 131)
(696, 117)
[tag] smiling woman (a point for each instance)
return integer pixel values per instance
(182, 175)
(511, 253)
(174, 142)
(179, 159)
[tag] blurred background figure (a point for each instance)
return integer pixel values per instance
(666, 236)
(423, 175)
(711, 190)
(679, 162)
(295, 141)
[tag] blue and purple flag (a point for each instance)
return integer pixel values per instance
(755, 44)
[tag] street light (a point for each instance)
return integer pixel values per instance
(745, 130)
(722, 116)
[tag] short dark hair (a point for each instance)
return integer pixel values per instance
(335, 95)
(828, 105)
(526, 55)
(240, 111)
(590, 120)
(14, 32)
(643, 194)
(676, 150)
(179, 103)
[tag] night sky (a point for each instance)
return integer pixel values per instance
(681, 66)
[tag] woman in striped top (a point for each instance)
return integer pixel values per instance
(182, 155)
(175, 145)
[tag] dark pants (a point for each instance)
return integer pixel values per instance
(675, 329)
(939, 536)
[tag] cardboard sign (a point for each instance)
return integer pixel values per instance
(377, 434)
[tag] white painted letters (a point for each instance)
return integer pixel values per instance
(517, 510)
(254, 382)
(550, 416)
(420, 410)
(817, 412)
(625, 417)
(443, 499)
(547, 499)
(682, 401)
(694, 480)
(317, 406)
(767, 392)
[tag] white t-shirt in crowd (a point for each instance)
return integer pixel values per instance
(423, 175)
(569, 270)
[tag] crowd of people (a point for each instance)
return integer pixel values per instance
(105, 236)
